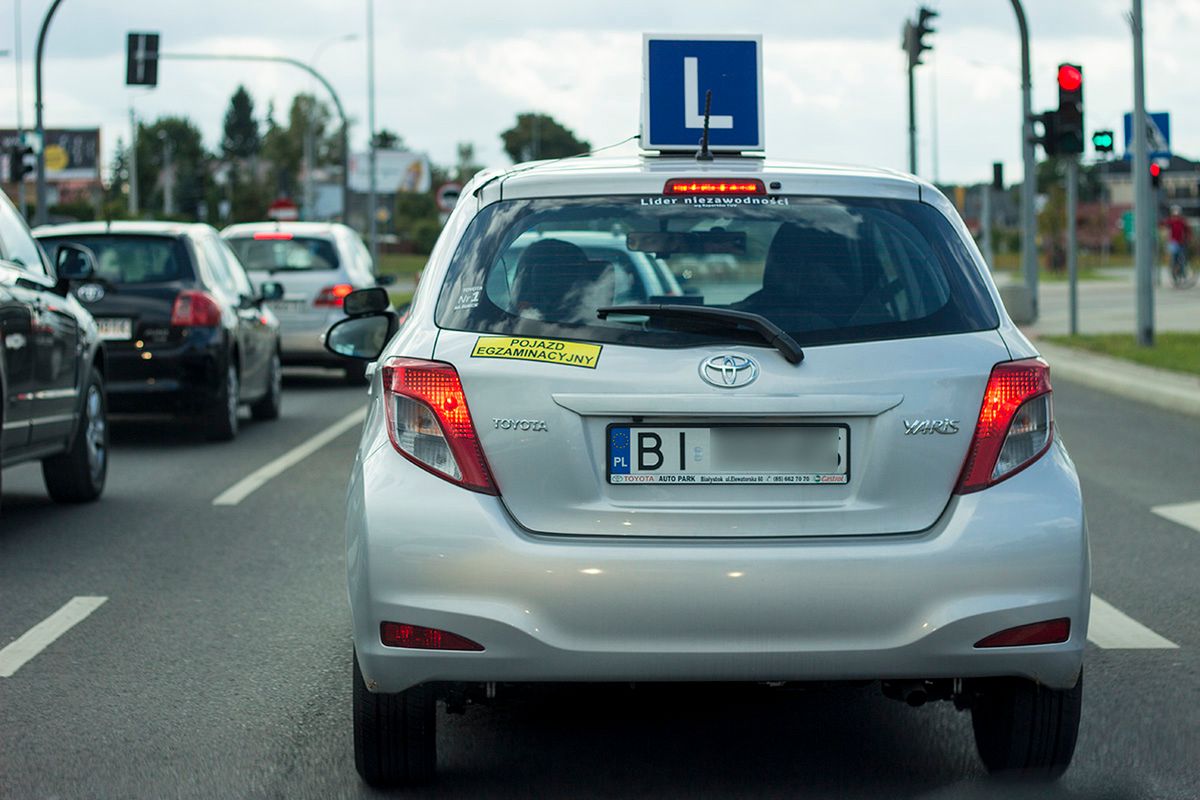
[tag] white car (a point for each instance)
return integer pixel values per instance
(837, 461)
(318, 264)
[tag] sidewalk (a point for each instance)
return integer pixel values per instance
(1170, 390)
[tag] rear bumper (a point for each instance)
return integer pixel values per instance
(177, 378)
(302, 342)
(421, 551)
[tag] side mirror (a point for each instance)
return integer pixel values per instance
(366, 301)
(362, 337)
(385, 280)
(270, 290)
(74, 262)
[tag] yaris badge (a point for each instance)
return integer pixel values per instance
(729, 370)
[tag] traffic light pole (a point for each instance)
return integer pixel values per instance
(1072, 240)
(42, 215)
(1143, 213)
(1029, 265)
(912, 120)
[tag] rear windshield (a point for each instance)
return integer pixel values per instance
(124, 259)
(294, 254)
(827, 270)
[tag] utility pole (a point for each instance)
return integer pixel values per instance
(1029, 263)
(134, 204)
(43, 215)
(374, 223)
(1072, 240)
(168, 175)
(912, 111)
(1143, 212)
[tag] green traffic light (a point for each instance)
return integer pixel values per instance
(1103, 141)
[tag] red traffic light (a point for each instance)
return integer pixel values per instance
(1155, 170)
(1070, 77)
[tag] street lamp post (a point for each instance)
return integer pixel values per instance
(42, 212)
(373, 224)
(1029, 186)
(309, 144)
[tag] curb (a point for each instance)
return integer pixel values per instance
(1168, 390)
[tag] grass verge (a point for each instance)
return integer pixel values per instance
(401, 263)
(1179, 352)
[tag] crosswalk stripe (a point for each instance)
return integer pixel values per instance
(1186, 514)
(1112, 630)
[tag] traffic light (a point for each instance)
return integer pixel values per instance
(1156, 171)
(141, 59)
(18, 167)
(1068, 125)
(1049, 138)
(1103, 141)
(914, 35)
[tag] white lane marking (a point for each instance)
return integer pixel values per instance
(42, 635)
(255, 480)
(1186, 514)
(1112, 630)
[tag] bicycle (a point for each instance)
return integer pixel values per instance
(1183, 275)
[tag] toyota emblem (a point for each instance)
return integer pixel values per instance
(90, 292)
(729, 370)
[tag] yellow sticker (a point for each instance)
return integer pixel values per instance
(550, 351)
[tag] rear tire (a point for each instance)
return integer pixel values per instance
(1025, 729)
(79, 474)
(268, 406)
(221, 419)
(355, 373)
(395, 735)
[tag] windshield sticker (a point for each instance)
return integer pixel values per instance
(549, 351)
(468, 298)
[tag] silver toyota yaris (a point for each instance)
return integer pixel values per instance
(828, 455)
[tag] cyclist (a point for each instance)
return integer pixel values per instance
(1178, 234)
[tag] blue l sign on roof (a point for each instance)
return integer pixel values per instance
(678, 71)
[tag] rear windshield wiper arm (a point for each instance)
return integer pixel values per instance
(774, 335)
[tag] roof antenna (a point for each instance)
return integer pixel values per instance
(704, 155)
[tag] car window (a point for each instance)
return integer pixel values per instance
(16, 242)
(826, 270)
(125, 259)
(282, 252)
(215, 261)
(236, 271)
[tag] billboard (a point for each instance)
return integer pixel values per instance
(72, 154)
(395, 171)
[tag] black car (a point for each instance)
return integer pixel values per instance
(185, 330)
(52, 367)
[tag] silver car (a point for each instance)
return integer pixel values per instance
(318, 264)
(833, 459)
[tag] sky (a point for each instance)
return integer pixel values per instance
(834, 73)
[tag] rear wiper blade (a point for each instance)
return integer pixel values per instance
(774, 335)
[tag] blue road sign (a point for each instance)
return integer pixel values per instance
(677, 72)
(1159, 124)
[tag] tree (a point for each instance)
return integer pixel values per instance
(537, 136)
(466, 167)
(242, 138)
(177, 140)
(283, 145)
(416, 219)
(388, 140)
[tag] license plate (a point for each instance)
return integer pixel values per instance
(288, 306)
(729, 454)
(113, 328)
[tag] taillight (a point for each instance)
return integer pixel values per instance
(1015, 424)
(415, 637)
(195, 309)
(429, 422)
(333, 296)
(1051, 631)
